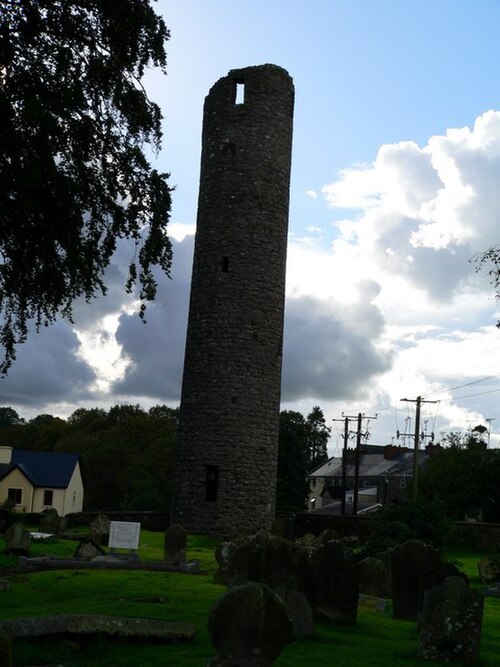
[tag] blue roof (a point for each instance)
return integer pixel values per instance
(49, 469)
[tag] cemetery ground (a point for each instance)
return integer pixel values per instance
(377, 639)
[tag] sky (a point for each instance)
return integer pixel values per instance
(394, 192)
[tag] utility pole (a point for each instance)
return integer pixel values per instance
(359, 419)
(418, 402)
(344, 461)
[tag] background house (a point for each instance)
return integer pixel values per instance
(384, 474)
(34, 481)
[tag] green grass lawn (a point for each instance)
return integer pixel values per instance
(376, 640)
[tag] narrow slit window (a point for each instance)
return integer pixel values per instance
(225, 264)
(212, 483)
(239, 97)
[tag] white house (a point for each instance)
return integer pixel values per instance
(35, 481)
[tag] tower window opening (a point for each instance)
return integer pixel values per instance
(211, 483)
(239, 93)
(225, 264)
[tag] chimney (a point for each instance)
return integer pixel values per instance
(5, 454)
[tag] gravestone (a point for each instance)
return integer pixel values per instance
(436, 577)
(450, 629)
(489, 570)
(88, 550)
(99, 529)
(223, 555)
(372, 577)
(249, 627)
(410, 562)
(51, 522)
(264, 558)
(336, 583)
(124, 535)
(17, 540)
(174, 550)
(300, 613)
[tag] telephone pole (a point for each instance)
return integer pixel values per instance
(359, 419)
(418, 402)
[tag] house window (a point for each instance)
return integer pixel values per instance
(212, 483)
(15, 496)
(225, 264)
(48, 497)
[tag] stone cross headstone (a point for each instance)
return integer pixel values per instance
(174, 551)
(124, 535)
(450, 626)
(17, 540)
(249, 627)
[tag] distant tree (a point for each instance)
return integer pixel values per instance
(292, 485)
(317, 434)
(464, 476)
(489, 261)
(74, 118)
(9, 417)
(395, 523)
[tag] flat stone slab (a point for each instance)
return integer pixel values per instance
(25, 564)
(87, 624)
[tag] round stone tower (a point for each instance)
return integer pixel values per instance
(225, 476)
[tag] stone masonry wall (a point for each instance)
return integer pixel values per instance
(225, 474)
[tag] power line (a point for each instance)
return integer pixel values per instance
(467, 384)
(481, 393)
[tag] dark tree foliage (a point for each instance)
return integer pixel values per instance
(126, 454)
(317, 435)
(9, 417)
(292, 486)
(395, 523)
(74, 179)
(489, 261)
(464, 476)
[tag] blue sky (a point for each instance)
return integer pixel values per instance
(396, 161)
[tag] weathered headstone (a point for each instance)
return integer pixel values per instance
(51, 522)
(436, 577)
(300, 613)
(489, 569)
(99, 529)
(372, 577)
(263, 558)
(249, 627)
(88, 550)
(450, 628)
(175, 544)
(336, 583)
(17, 540)
(223, 555)
(410, 562)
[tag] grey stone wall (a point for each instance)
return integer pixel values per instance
(232, 370)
